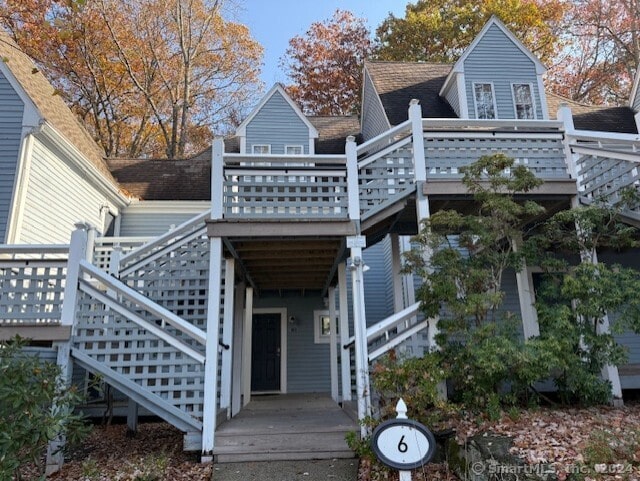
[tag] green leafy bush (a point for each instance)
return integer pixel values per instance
(36, 407)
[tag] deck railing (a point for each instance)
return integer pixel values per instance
(285, 187)
(606, 164)
(32, 282)
(452, 144)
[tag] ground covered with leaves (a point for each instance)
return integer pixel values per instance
(154, 454)
(589, 444)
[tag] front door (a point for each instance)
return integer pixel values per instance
(265, 352)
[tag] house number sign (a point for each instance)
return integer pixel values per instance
(401, 443)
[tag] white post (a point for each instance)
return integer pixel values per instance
(77, 252)
(236, 384)
(246, 347)
(227, 336)
(211, 352)
(527, 298)
(401, 410)
(360, 332)
(345, 358)
(353, 189)
(333, 347)
(419, 160)
(217, 179)
(566, 117)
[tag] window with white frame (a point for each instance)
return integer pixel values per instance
(293, 150)
(523, 101)
(322, 327)
(261, 149)
(485, 101)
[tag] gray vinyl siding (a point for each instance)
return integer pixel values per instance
(629, 340)
(374, 120)
(136, 222)
(496, 59)
(58, 196)
(11, 113)
(378, 285)
(452, 97)
(308, 363)
(277, 124)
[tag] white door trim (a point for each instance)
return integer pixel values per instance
(283, 342)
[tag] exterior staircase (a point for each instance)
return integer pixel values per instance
(285, 427)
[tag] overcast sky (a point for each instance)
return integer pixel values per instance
(274, 22)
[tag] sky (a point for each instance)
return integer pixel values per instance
(274, 22)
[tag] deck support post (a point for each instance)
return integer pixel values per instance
(360, 332)
(527, 298)
(227, 336)
(238, 328)
(246, 347)
(211, 351)
(132, 417)
(345, 358)
(396, 273)
(78, 250)
(333, 347)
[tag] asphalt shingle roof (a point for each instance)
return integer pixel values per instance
(333, 132)
(591, 117)
(399, 82)
(50, 105)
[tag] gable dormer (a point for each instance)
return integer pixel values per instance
(497, 77)
(277, 126)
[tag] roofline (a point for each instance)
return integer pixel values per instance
(458, 67)
(241, 131)
(109, 187)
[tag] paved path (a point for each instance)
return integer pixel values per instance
(320, 470)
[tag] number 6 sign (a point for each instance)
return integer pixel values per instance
(403, 444)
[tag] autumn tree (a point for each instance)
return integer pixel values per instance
(603, 52)
(147, 77)
(325, 64)
(440, 30)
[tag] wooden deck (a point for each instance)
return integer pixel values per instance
(285, 427)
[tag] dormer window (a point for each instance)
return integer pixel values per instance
(261, 149)
(485, 101)
(523, 101)
(293, 150)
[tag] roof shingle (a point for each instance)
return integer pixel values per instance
(50, 105)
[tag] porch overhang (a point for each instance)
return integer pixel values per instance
(285, 254)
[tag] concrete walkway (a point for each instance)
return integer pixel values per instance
(318, 470)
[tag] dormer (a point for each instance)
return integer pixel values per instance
(496, 77)
(277, 126)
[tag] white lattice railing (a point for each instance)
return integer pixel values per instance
(285, 187)
(606, 165)
(32, 281)
(139, 340)
(452, 144)
(386, 177)
(161, 245)
(394, 331)
(104, 247)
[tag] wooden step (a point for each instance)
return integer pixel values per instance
(281, 447)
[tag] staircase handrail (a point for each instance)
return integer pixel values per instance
(145, 252)
(164, 315)
(389, 323)
(390, 135)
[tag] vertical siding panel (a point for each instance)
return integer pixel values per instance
(277, 124)
(374, 121)
(452, 97)
(57, 197)
(497, 59)
(11, 113)
(378, 287)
